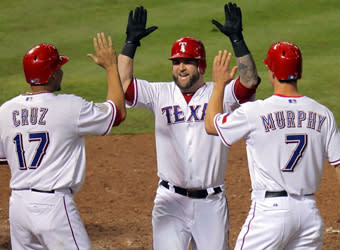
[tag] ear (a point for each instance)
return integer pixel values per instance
(272, 75)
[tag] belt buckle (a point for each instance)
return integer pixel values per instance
(191, 193)
(210, 191)
(171, 188)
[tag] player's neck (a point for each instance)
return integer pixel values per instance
(38, 89)
(286, 89)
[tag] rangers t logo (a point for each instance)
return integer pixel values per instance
(182, 44)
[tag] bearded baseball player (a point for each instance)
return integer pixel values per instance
(288, 138)
(190, 206)
(42, 139)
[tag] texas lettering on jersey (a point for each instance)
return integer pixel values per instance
(292, 119)
(174, 114)
(32, 116)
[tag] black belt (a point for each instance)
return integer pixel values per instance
(42, 191)
(192, 193)
(275, 194)
(279, 194)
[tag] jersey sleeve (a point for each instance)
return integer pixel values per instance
(2, 153)
(232, 126)
(333, 142)
(141, 94)
(235, 94)
(96, 118)
(230, 101)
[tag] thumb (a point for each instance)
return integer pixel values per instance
(94, 58)
(217, 24)
(233, 71)
(150, 30)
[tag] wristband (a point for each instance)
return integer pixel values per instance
(129, 49)
(240, 48)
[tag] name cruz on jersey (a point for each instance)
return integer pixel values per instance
(174, 114)
(33, 116)
(292, 119)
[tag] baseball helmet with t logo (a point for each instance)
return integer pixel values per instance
(40, 63)
(189, 47)
(284, 60)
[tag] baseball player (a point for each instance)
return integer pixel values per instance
(190, 206)
(42, 139)
(288, 137)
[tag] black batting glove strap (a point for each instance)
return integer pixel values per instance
(129, 49)
(240, 48)
(136, 28)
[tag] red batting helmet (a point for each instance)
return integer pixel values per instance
(40, 62)
(285, 61)
(189, 47)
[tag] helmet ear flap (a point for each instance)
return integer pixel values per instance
(202, 66)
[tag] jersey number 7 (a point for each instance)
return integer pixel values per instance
(43, 140)
(301, 141)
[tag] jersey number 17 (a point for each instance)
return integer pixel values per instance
(43, 140)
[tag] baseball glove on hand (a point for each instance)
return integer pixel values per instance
(233, 22)
(135, 29)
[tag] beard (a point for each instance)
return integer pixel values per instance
(188, 85)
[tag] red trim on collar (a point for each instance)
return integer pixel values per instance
(288, 95)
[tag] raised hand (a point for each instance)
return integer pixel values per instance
(233, 22)
(220, 71)
(105, 53)
(136, 28)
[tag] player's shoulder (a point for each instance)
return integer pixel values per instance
(252, 107)
(70, 97)
(156, 85)
(9, 102)
(317, 106)
(313, 101)
(253, 104)
(139, 80)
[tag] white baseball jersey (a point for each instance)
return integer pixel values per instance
(42, 138)
(186, 155)
(287, 138)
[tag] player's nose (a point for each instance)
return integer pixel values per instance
(182, 66)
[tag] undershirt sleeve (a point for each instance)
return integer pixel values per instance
(118, 119)
(243, 94)
(130, 93)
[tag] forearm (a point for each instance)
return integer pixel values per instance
(115, 90)
(337, 170)
(246, 65)
(125, 68)
(247, 71)
(232, 28)
(135, 31)
(215, 106)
